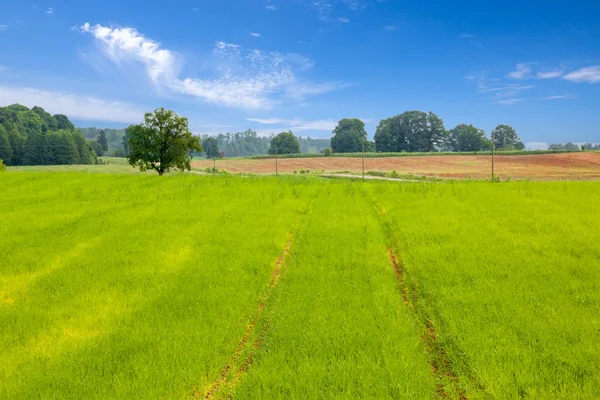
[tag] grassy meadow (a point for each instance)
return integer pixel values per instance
(121, 286)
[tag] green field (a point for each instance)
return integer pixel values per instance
(123, 286)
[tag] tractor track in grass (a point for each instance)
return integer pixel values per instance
(438, 359)
(448, 384)
(243, 357)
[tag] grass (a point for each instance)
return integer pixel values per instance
(139, 286)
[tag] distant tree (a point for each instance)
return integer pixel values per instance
(63, 122)
(126, 141)
(211, 147)
(162, 142)
(97, 147)
(36, 149)
(571, 147)
(348, 136)
(284, 143)
(63, 149)
(412, 131)
(102, 141)
(466, 138)
(520, 145)
(505, 136)
(49, 123)
(6, 151)
(327, 152)
(84, 149)
(2, 166)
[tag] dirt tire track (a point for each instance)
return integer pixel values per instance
(438, 359)
(224, 380)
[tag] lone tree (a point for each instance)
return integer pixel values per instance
(102, 141)
(348, 136)
(162, 142)
(211, 147)
(466, 138)
(506, 138)
(285, 143)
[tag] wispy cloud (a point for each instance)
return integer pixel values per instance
(588, 74)
(3, 68)
(466, 36)
(297, 124)
(336, 10)
(549, 74)
(272, 8)
(3, 27)
(560, 97)
(254, 34)
(75, 106)
(248, 78)
(195, 9)
(509, 102)
(128, 44)
(49, 10)
(390, 27)
(522, 71)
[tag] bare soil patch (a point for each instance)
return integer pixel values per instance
(565, 166)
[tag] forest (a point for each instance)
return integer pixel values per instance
(34, 137)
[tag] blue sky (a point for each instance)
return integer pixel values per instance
(274, 65)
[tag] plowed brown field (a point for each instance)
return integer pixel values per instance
(539, 167)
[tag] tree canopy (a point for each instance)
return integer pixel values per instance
(102, 140)
(348, 136)
(466, 138)
(34, 137)
(506, 138)
(412, 131)
(284, 143)
(162, 142)
(210, 146)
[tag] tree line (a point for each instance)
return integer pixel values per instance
(573, 147)
(34, 137)
(417, 131)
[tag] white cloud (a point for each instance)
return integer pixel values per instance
(509, 102)
(560, 97)
(74, 106)
(247, 78)
(549, 74)
(272, 8)
(493, 89)
(195, 9)
(390, 27)
(3, 68)
(298, 125)
(466, 36)
(128, 44)
(522, 72)
(343, 20)
(254, 34)
(50, 10)
(3, 27)
(588, 74)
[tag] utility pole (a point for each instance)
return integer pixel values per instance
(493, 146)
(363, 158)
